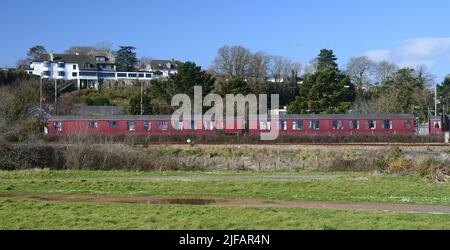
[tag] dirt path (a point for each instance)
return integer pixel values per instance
(406, 208)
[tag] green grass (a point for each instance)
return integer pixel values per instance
(32, 214)
(346, 187)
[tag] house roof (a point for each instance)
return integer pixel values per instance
(81, 60)
(164, 64)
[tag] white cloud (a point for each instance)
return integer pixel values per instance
(415, 52)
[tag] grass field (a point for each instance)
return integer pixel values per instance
(294, 186)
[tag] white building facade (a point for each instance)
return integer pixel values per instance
(90, 72)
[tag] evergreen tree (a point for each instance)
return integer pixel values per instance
(325, 91)
(126, 58)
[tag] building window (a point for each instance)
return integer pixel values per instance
(338, 125)
(148, 75)
(74, 66)
(113, 124)
(265, 126)
(147, 126)
(132, 75)
(141, 75)
(61, 73)
(354, 125)
(47, 73)
(57, 126)
(93, 124)
(61, 65)
(124, 75)
(297, 125)
(88, 73)
(314, 125)
(371, 125)
(162, 125)
(74, 74)
(131, 126)
(387, 124)
(47, 64)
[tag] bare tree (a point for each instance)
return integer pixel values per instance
(311, 67)
(359, 70)
(259, 65)
(383, 71)
(233, 62)
(282, 68)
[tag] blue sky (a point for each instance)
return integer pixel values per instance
(408, 32)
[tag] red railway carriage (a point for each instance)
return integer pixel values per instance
(287, 124)
(439, 124)
(352, 124)
(159, 124)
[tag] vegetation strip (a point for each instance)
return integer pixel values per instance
(234, 202)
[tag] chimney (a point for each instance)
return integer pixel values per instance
(51, 56)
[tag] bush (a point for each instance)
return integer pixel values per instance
(433, 169)
(399, 166)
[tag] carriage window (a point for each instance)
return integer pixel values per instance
(93, 124)
(437, 124)
(354, 124)
(371, 124)
(283, 125)
(193, 125)
(147, 126)
(209, 125)
(338, 124)
(297, 125)
(164, 125)
(264, 125)
(131, 126)
(113, 124)
(387, 124)
(314, 125)
(57, 126)
(408, 124)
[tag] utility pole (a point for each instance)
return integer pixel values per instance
(56, 97)
(40, 94)
(435, 102)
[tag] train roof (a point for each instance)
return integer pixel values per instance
(169, 117)
(122, 118)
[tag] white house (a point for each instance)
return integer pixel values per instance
(91, 71)
(163, 68)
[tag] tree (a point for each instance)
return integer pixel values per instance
(359, 70)
(190, 75)
(326, 60)
(35, 52)
(444, 94)
(233, 62)
(383, 71)
(156, 99)
(235, 86)
(405, 92)
(126, 58)
(282, 68)
(326, 91)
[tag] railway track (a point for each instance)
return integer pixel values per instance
(366, 144)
